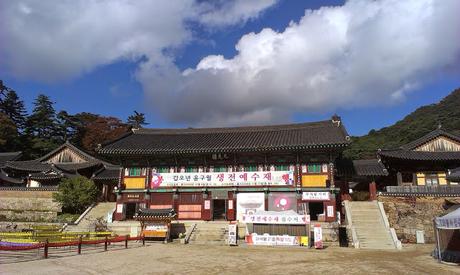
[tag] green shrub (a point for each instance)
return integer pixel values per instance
(76, 194)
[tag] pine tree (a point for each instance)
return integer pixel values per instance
(137, 120)
(8, 134)
(42, 129)
(14, 108)
(68, 126)
(42, 122)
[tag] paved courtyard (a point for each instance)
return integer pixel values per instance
(196, 259)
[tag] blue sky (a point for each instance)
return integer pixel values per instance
(118, 84)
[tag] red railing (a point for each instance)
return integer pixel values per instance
(107, 241)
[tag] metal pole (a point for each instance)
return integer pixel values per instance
(438, 244)
(46, 249)
(105, 243)
(79, 245)
(126, 241)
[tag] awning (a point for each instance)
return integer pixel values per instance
(449, 221)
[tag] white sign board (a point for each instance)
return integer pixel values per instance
(272, 240)
(276, 219)
(318, 232)
(316, 196)
(232, 230)
(273, 178)
(249, 203)
(119, 208)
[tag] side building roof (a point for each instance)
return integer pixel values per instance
(369, 167)
(409, 151)
(322, 134)
(8, 156)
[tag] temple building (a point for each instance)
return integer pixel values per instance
(424, 162)
(224, 173)
(4, 158)
(66, 161)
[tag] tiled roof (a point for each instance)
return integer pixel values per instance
(428, 137)
(107, 173)
(237, 139)
(29, 166)
(45, 176)
(5, 178)
(73, 167)
(9, 156)
(369, 167)
(420, 155)
(147, 214)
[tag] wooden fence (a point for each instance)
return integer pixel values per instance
(78, 244)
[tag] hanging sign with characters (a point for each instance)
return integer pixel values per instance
(218, 179)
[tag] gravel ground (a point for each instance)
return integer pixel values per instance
(197, 259)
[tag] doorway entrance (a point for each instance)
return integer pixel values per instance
(130, 210)
(219, 210)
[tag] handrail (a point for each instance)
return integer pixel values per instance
(84, 213)
(394, 237)
(189, 232)
(348, 220)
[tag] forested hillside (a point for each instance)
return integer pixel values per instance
(420, 122)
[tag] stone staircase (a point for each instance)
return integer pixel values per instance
(210, 233)
(369, 225)
(87, 222)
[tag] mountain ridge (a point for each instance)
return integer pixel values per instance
(445, 113)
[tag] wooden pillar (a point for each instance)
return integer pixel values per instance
(372, 191)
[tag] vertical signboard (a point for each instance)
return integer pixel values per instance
(318, 232)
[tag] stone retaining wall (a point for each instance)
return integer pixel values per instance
(409, 214)
(37, 206)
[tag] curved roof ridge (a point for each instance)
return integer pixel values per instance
(238, 129)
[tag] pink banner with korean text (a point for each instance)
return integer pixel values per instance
(216, 179)
(270, 217)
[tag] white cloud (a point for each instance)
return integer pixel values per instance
(360, 54)
(56, 40)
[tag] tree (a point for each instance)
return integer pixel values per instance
(68, 126)
(42, 121)
(8, 134)
(137, 120)
(14, 108)
(3, 90)
(76, 194)
(41, 129)
(101, 130)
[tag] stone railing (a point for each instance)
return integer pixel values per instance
(440, 190)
